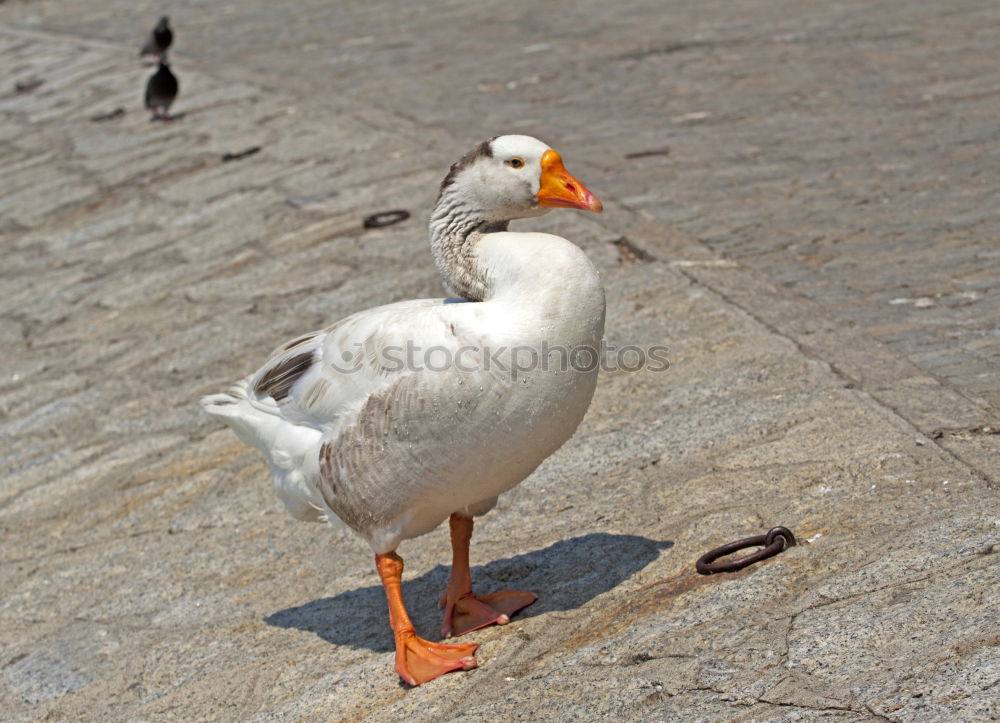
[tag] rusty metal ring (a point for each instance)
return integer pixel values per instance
(385, 218)
(776, 540)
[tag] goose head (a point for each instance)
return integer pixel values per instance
(502, 179)
(509, 177)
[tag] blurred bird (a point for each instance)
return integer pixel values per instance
(159, 40)
(161, 91)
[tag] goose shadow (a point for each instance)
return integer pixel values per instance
(565, 576)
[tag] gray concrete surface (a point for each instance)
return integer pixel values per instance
(822, 225)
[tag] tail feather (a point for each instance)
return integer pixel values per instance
(291, 450)
(222, 405)
(251, 424)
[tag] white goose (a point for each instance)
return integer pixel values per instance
(390, 441)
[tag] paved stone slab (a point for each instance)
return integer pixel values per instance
(150, 573)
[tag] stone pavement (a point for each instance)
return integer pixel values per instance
(816, 188)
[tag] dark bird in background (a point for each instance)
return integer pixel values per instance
(161, 91)
(159, 40)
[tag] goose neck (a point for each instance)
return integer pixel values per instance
(455, 230)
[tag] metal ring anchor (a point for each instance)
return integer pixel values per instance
(776, 540)
(385, 218)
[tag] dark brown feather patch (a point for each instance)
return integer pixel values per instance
(298, 342)
(278, 380)
(483, 150)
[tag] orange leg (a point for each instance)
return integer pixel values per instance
(463, 610)
(417, 660)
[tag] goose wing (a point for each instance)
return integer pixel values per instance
(323, 379)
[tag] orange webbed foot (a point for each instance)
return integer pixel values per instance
(471, 612)
(419, 660)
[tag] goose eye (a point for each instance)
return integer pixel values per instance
(515, 163)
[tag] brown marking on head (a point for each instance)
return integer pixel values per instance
(483, 150)
(278, 380)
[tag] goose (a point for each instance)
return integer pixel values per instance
(392, 446)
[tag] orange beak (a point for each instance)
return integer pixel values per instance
(559, 189)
